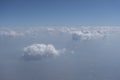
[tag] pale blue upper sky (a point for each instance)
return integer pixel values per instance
(59, 12)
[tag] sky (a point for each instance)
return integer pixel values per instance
(59, 12)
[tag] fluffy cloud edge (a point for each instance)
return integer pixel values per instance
(39, 51)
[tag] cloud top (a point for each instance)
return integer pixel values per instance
(38, 51)
(87, 35)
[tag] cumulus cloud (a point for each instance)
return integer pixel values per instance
(38, 51)
(86, 35)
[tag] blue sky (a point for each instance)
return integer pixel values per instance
(59, 12)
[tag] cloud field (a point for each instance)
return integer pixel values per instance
(42, 39)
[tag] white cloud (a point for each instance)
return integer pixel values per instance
(77, 33)
(86, 35)
(10, 33)
(38, 51)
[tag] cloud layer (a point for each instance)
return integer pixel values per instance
(38, 51)
(10, 33)
(61, 36)
(76, 33)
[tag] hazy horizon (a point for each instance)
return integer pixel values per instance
(59, 39)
